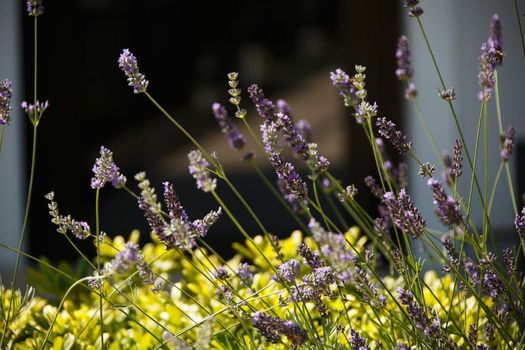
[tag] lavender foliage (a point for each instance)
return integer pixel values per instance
(6, 92)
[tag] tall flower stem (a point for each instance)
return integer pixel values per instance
(1, 137)
(97, 232)
(520, 28)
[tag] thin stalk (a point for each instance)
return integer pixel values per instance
(520, 28)
(486, 170)
(1, 137)
(276, 194)
(80, 281)
(97, 232)
(428, 133)
(24, 226)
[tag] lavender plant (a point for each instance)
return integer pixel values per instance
(318, 289)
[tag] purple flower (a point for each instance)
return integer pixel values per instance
(80, 229)
(410, 91)
(426, 169)
(199, 170)
(509, 260)
(447, 207)
(265, 107)
(283, 107)
(404, 69)
(415, 10)
(448, 94)
(35, 111)
(305, 128)
(273, 328)
(495, 39)
(128, 63)
(126, 257)
(311, 258)
(371, 183)
(357, 341)
(452, 255)
(404, 214)
(179, 232)
(290, 183)
(245, 275)
(221, 273)
(487, 65)
(520, 222)
(508, 144)
(228, 128)
(287, 272)
(389, 131)
(34, 7)
(6, 92)
(418, 314)
(105, 170)
(458, 158)
(342, 82)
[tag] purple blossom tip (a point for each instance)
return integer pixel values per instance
(105, 170)
(508, 144)
(287, 272)
(6, 92)
(273, 329)
(228, 127)
(128, 63)
(199, 170)
(448, 94)
(404, 69)
(447, 209)
(389, 131)
(34, 7)
(404, 213)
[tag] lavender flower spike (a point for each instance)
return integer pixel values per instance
(447, 207)
(128, 63)
(508, 144)
(6, 92)
(404, 69)
(357, 341)
(34, 7)
(80, 229)
(287, 272)
(265, 107)
(415, 10)
(105, 170)
(273, 328)
(389, 131)
(520, 223)
(404, 213)
(235, 138)
(495, 39)
(199, 170)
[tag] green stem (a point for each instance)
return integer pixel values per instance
(1, 137)
(24, 226)
(97, 231)
(80, 281)
(520, 28)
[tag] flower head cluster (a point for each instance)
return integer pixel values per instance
(404, 69)
(447, 208)
(404, 213)
(179, 232)
(80, 229)
(428, 327)
(357, 341)
(448, 94)
(389, 131)
(6, 92)
(265, 107)
(305, 128)
(199, 170)
(452, 255)
(491, 57)
(311, 257)
(273, 329)
(234, 91)
(287, 272)
(289, 181)
(508, 144)
(105, 170)
(35, 111)
(426, 169)
(128, 63)
(457, 160)
(415, 10)
(34, 7)
(221, 273)
(344, 85)
(374, 187)
(334, 249)
(235, 138)
(316, 285)
(245, 275)
(519, 222)
(283, 107)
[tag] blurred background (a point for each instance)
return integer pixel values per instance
(186, 48)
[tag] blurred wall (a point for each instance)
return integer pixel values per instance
(456, 30)
(11, 175)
